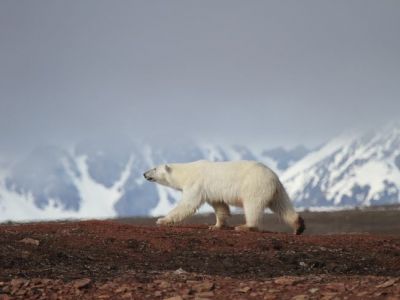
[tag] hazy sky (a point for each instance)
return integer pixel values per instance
(257, 72)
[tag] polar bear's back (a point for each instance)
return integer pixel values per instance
(234, 180)
(235, 169)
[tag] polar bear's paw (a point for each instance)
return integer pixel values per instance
(245, 228)
(164, 221)
(219, 227)
(300, 226)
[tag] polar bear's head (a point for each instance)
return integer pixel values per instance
(160, 174)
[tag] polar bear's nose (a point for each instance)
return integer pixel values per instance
(149, 178)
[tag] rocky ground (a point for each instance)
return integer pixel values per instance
(110, 259)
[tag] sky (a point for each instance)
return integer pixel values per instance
(244, 72)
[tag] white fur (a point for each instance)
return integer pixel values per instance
(247, 184)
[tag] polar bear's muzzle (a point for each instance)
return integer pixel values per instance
(148, 177)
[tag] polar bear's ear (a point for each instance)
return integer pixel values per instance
(168, 169)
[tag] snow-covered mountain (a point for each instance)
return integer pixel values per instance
(98, 179)
(353, 169)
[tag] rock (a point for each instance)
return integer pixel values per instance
(381, 293)
(174, 298)
(204, 287)
(21, 292)
(386, 283)
(204, 294)
(164, 284)
(105, 286)
(4, 297)
(244, 289)
(328, 296)
(16, 284)
(25, 254)
(81, 283)
(270, 297)
(30, 241)
(122, 289)
(300, 297)
(337, 286)
(313, 290)
(158, 293)
(253, 294)
(186, 291)
(179, 271)
(286, 281)
(302, 264)
(127, 296)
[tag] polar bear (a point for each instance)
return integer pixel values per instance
(247, 184)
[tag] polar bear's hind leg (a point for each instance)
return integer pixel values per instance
(222, 213)
(254, 212)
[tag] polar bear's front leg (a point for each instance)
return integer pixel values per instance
(190, 202)
(221, 214)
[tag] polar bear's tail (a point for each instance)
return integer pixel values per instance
(282, 206)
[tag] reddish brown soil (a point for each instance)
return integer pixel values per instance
(105, 259)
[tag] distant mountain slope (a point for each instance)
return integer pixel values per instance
(353, 169)
(286, 158)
